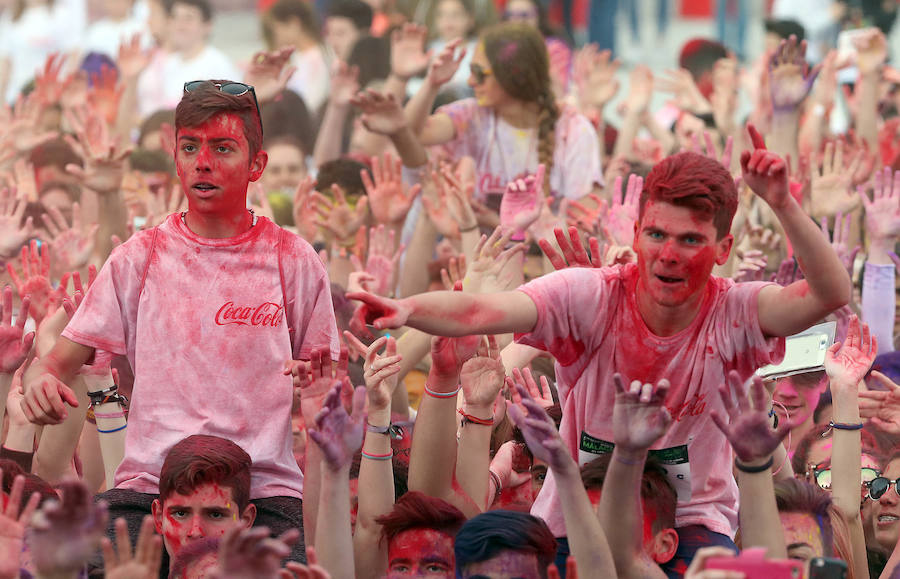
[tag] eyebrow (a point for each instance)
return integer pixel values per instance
(797, 546)
(213, 140)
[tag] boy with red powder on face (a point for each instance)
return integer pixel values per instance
(665, 316)
(207, 307)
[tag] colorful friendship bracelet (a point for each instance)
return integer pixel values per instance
(123, 427)
(109, 414)
(474, 419)
(387, 456)
(434, 394)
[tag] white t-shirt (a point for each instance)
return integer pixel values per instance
(104, 36)
(161, 85)
(207, 325)
(311, 79)
(589, 321)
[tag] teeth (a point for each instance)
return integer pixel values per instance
(888, 518)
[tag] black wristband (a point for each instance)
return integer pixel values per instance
(754, 469)
(109, 394)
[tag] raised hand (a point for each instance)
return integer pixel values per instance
(871, 51)
(143, 563)
(313, 571)
(381, 112)
(304, 209)
(621, 215)
(573, 252)
(790, 78)
(13, 233)
(455, 194)
(440, 214)
(488, 272)
(380, 371)
(389, 198)
(446, 63)
(846, 364)
(269, 72)
(25, 180)
(337, 217)
(408, 55)
(749, 428)
(49, 83)
(510, 456)
(132, 58)
(589, 218)
(787, 273)
(103, 155)
(338, 434)
(381, 261)
(540, 393)
(316, 378)
(687, 96)
(35, 281)
(64, 534)
(540, 432)
(71, 247)
(24, 132)
(522, 203)
(881, 407)
(752, 266)
(449, 354)
(382, 313)
(595, 78)
(883, 210)
(252, 554)
(13, 524)
(839, 240)
(344, 84)
(105, 93)
(723, 99)
(454, 273)
(14, 343)
(831, 188)
(765, 172)
(640, 90)
(482, 378)
(640, 417)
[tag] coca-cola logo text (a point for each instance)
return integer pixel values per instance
(266, 314)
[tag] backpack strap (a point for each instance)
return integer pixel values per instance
(288, 309)
(149, 259)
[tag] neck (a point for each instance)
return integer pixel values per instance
(303, 42)
(520, 114)
(192, 52)
(218, 226)
(665, 320)
(798, 433)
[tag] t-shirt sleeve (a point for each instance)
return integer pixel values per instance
(581, 158)
(309, 308)
(738, 335)
(562, 299)
(466, 117)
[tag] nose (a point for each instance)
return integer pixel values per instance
(669, 253)
(204, 159)
(195, 528)
(785, 390)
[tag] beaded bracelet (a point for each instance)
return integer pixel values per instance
(387, 456)
(434, 394)
(497, 486)
(123, 427)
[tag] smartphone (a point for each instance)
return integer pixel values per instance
(758, 568)
(803, 352)
(826, 568)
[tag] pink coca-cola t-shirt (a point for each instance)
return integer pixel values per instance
(503, 152)
(206, 330)
(588, 320)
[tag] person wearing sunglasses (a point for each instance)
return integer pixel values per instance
(883, 500)
(207, 307)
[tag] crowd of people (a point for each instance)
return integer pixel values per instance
(400, 297)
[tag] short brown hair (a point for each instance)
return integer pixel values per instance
(696, 182)
(416, 510)
(201, 104)
(202, 459)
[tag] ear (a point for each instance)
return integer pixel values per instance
(664, 545)
(258, 165)
(637, 227)
(248, 516)
(157, 510)
(723, 249)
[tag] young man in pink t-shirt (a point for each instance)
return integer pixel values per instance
(207, 307)
(664, 317)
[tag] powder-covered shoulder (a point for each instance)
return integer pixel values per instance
(134, 253)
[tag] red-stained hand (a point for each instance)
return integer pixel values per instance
(522, 203)
(313, 380)
(338, 434)
(449, 354)
(382, 313)
(252, 554)
(640, 417)
(765, 172)
(482, 378)
(13, 233)
(13, 525)
(510, 454)
(749, 428)
(618, 225)
(143, 563)
(539, 392)
(381, 260)
(70, 245)
(389, 199)
(573, 252)
(35, 281)
(64, 534)
(571, 569)
(337, 217)
(489, 272)
(846, 364)
(14, 343)
(540, 431)
(380, 372)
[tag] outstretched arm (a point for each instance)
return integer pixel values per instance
(826, 287)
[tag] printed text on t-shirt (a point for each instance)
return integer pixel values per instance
(265, 314)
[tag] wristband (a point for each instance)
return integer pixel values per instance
(497, 486)
(386, 456)
(123, 427)
(109, 414)
(110, 394)
(754, 469)
(395, 431)
(434, 394)
(845, 426)
(467, 418)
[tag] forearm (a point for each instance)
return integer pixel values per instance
(517, 356)
(63, 361)
(867, 109)
(462, 314)
(331, 132)
(334, 541)
(5, 384)
(127, 115)
(419, 107)
(845, 469)
(113, 220)
(53, 458)
(312, 486)
(414, 273)
(759, 519)
(620, 507)
(877, 305)
(785, 131)
(111, 425)
(587, 540)
(782, 464)
(376, 498)
(473, 456)
(661, 135)
(411, 151)
(627, 133)
(433, 454)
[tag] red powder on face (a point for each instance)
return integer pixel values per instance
(188, 517)
(421, 553)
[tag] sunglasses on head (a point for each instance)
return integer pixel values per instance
(479, 73)
(232, 88)
(880, 485)
(822, 476)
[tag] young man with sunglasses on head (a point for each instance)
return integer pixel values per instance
(207, 307)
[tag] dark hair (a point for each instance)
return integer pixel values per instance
(795, 496)
(356, 11)
(519, 60)
(372, 55)
(800, 460)
(33, 483)
(190, 553)
(657, 493)
(154, 123)
(416, 510)
(286, 116)
(303, 12)
(54, 153)
(202, 459)
(691, 180)
(785, 28)
(486, 535)
(201, 104)
(151, 161)
(72, 191)
(343, 171)
(543, 23)
(699, 55)
(202, 5)
(467, 5)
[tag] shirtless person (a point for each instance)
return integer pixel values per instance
(207, 307)
(664, 317)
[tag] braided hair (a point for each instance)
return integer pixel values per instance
(519, 61)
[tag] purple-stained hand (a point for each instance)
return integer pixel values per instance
(338, 434)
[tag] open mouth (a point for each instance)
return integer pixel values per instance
(669, 280)
(887, 519)
(204, 186)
